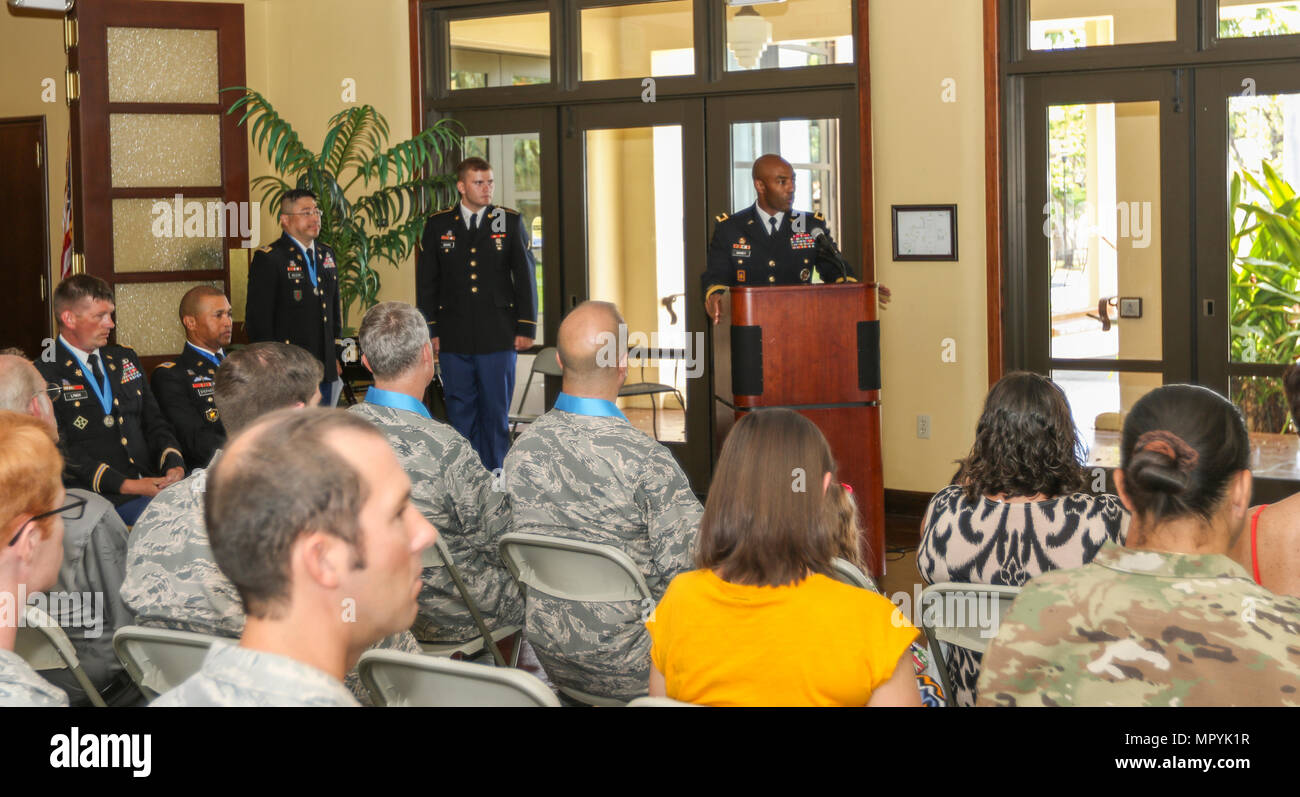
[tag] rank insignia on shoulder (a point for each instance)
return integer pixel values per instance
(819, 216)
(722, 217)
(265, 249)
(167, 364)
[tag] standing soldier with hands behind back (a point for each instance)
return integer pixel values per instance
(293, 290)
(477, 288)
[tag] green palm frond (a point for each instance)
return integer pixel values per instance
(403, 183)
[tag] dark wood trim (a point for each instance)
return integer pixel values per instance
(168, 192)
(866, 203)
(1142, 366)
(907, 503)
(151, 277)
(206, 108)
(993, 189)
(417, 71)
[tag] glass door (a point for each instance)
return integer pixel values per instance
(634, 235)
(520, 145)
(1108, 291)
(1248, 255)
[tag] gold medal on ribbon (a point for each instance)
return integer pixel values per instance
(108, 421)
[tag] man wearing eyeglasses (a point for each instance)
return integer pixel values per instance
(94, 552)
(293, 290)
(31, 541)
(476, 285)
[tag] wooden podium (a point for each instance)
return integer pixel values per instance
(814, 349)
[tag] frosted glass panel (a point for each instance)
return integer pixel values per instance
(165, 149)
(145, 240)
(162, 65)
(146, 315)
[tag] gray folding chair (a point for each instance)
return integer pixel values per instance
(44, 646)
(659, 702)
(955, 620)
(848, 573)
(407, 679)
(159, 659)
(437, 555)
(545, 363)
(575, 571)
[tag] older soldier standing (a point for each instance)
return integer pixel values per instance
(449, 485)
(292, 282)
(583, 472)
(1168, 619)
(172, 579)
(297, 558)
(476, 285)
(184, 387)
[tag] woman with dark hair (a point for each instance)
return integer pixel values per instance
(1167, 619)
(1015, 509)
(1270, 548)
(762, 622)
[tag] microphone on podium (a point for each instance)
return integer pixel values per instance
(828, 247)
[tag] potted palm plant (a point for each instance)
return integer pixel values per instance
(1264, 292)
(374, 198)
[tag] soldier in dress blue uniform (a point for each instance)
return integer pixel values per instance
(116, 441)
(768, 243)
(184, 387)
(477, 288)
(293, 290)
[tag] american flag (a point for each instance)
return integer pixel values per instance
(65, 270)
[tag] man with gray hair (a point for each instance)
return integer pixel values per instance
(94, 556)
(583, 472)
(449, 484)
(172, 578)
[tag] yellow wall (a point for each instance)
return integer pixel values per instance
(31, 49)
(929, 152)
(298, 52)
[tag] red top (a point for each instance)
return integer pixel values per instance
(1254, 550)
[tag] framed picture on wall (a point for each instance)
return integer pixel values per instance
(925, 232)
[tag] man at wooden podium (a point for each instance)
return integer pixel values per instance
(768, 243)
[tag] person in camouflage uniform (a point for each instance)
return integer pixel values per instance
(449, 484)
(310, 516)
(235, 676)
(31, 545)
(1169, 619)
(583, 472)
(172, 580)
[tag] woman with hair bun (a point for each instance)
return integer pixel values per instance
(1167, 619)
(1016, 508)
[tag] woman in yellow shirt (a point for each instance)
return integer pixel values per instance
(761, 622)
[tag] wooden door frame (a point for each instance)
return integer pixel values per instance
(50, 275)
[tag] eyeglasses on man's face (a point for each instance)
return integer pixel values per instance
(52, 390)
(308, 213)
(73, 510)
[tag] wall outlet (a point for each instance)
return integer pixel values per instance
(923, 427)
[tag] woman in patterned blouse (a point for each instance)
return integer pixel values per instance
(1014, 509)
